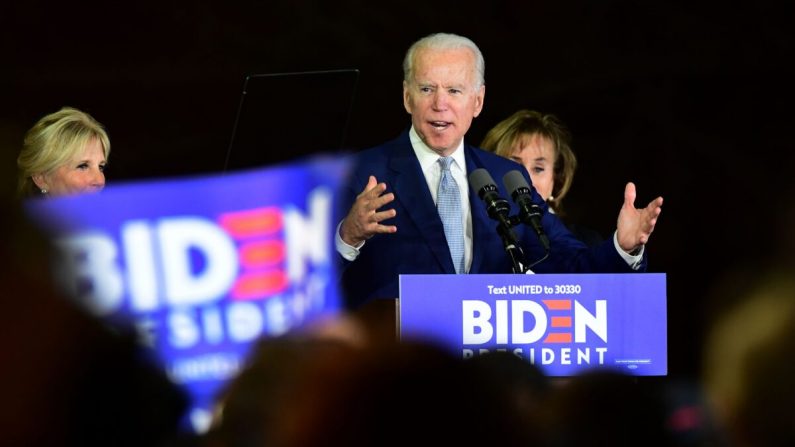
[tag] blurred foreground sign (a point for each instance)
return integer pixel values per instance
(562, 323)
(202, 267)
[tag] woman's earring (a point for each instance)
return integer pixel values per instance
(44, 190)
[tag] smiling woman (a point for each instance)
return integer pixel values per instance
(64, 153)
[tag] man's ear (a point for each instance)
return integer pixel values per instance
(479, 97)
(40, 180)
(406, 97)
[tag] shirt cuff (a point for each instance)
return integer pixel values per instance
(348, 252)
(634, 261)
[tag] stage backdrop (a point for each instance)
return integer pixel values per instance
(202, 267)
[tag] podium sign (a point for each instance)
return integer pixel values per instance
(562, 323)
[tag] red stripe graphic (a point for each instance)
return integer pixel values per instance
(258, 285)
(558, 337)
(254, 255)
(557, 304)
(250, 223)
(561, 322)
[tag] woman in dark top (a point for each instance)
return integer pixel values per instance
(540, 142)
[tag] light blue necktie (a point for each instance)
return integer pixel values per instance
(448, 202)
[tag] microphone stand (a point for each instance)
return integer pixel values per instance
(511, 245)
(529, 212)
(498, 209)
(542, 238)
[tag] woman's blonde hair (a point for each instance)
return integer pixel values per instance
(53, 141)
(520, 127)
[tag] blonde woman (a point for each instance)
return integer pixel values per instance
(64, 153)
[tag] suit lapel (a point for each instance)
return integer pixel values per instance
(481, 223)
(411, 191)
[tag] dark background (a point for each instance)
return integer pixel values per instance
(691, 102)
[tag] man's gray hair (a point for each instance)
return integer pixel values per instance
(444, 41)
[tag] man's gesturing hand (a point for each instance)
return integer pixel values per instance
(363, 221)
(636, 225)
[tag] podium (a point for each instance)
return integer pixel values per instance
(562, 323)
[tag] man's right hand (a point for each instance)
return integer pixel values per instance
(363, 221)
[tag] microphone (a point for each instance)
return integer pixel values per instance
(529, 212)
(481, 182)
(499, 209)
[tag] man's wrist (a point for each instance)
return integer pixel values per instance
(348, 251)
(633, 259)
(344, 236)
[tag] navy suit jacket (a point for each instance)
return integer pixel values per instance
(419, 245)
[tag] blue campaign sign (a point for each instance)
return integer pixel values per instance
(562, 323)
(202, 267)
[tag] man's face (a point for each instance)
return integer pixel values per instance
(442, 97)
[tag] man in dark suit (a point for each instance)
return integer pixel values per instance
(395, 194)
